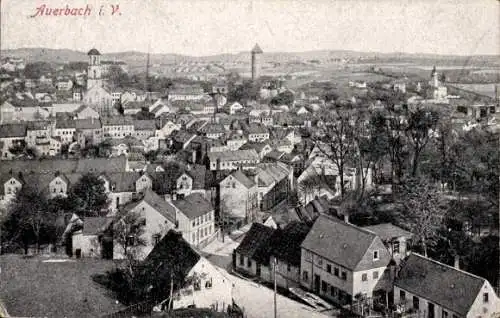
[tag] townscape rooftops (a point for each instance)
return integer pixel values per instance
(268, 173)
(160, 205)
(88, 123)
(193, 205)
(445, 285)
(340, 242)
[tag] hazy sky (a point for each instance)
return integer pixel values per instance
(203, 27)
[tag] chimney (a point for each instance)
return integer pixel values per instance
(456, 264)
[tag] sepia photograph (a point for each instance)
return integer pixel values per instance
(250, 158)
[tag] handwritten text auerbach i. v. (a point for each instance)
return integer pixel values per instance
(44, 10)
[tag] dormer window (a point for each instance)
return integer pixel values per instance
(375, 255)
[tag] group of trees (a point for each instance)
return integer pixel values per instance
(33, 218)
(429, 164)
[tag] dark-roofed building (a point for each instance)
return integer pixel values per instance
(435, 289)
(11, 135)
(195, 218)
(196, 281)
(252, 255)
(340, 260)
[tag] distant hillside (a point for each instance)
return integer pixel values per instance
(134, 58)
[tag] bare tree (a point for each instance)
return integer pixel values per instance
(128, 233)
(338, 142)
(424, 210)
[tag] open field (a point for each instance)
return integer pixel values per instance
(483, 89)
(32, 287)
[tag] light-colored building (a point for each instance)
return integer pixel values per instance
(434, 289)
(238, 196)
(232, 160)
(340, 260)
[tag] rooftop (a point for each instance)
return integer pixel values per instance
(194, 205)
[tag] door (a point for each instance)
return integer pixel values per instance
(258, 270)
(316, 283)
(431, 310)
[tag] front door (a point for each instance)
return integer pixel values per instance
(316, 283)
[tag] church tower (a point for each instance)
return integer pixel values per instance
(256, 53)
(94, 74)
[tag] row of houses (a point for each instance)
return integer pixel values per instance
(347, 264)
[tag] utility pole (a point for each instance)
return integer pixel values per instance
(275, 304)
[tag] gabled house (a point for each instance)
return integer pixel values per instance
(252, 253)
(195, 218)
(262, 148)
(88, 241)
(158, 217)
(340, 260)
(232, 160)
(238, 194)
(204, 285)
(434, 289)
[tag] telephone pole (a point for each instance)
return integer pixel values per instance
(275, 304)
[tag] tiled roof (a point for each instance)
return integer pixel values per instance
(249, 154)
(444, 285)
(12, 130)
(198, 174)
(65, 124)
(160, 205)
(117, 121)
(285, 243)
(272, 172)
(254, 128)
(258, 146)
(87, 123)
(172, 252)
(257, 238)
(387, 231)
(144, 125)
(95, 225)
(342, 243)
(243, 179)
(194, 205)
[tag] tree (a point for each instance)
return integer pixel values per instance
(37, 69)
(423, 210)
(28, 220)
(89, 195)
(421, 124)
(128, 232)
(284, 98)
(338, 142)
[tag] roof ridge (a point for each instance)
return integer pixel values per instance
(349, 224)
(446, 265)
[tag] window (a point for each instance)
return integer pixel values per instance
(320, 261)
(445, 314)
(324, 286)
(156, 238)
(305, 276)
(329, 268)
(375, 275)
(307, 255)
(333, 291)
(288, 267)
(249, 263)
(344, 275)
(364, 277)
(402, 295)
(485, 298)
(130, 241)
(395, 247)
(194, 223)
(242, 260)
(336, 271)
(375, 255)
(416, 302)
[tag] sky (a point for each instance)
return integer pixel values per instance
(208, 27)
